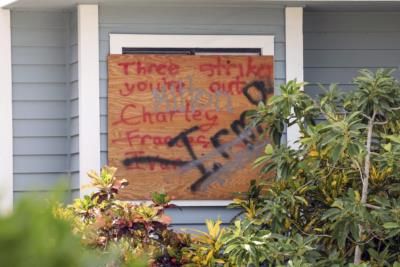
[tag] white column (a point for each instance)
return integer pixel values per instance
(89, 96)
(294, 57)
(6, 140)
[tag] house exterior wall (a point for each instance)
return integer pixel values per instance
(188, 20)
(45, 73)
(41, 63)
(338, 44)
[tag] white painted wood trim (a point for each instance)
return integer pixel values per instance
(118, 41)
(294, 58)
(89, 93)
(265, 42)
(6, 140)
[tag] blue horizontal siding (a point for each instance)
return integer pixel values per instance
(31, 164)
(39, 19)
(40, 146)
(42, 109)
(38, 37)
(29, 55)
(338, 44)
(39, 91)
(39, 127)
(351, 22)
(39, 181)
(40, 100)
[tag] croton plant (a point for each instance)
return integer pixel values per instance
(136, 230)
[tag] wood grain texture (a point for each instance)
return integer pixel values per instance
(176, 123)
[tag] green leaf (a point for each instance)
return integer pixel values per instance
(269, 149)
(391, 225)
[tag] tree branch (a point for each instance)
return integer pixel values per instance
(372, 206)
(365, 180)
(380, 122)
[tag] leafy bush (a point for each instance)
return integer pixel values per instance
(340, 188)
(136, 230)
(206, 247)
(334, 200)
(32, 236)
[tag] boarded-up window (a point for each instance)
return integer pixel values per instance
(177, 122)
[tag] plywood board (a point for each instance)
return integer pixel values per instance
(177, 123)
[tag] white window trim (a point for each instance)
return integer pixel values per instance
(118, 41)
(6, 140)
(294, 59)
(89, 94)
(264, 42)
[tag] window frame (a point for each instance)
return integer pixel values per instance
(263, 42)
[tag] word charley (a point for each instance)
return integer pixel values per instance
(238, 127)
(208, 117)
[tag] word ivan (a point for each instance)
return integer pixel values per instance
(153, 164)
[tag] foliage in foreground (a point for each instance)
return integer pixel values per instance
(32, 236)
(334, 200)
(337, 196)
(134, 230)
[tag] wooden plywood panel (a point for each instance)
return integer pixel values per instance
(177, 123)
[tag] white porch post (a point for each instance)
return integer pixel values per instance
(6, 140)
(89, 101)
(294, 57)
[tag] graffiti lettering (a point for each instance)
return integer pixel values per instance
(238, 127)
(142, 68)
(173, 114)
(129, 116)
(226, 68)
(216, 142)
(178, 99)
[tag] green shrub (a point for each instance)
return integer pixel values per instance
(31, 236)
(136, 230)
(334, 200)
(206, 247)
(340, 188)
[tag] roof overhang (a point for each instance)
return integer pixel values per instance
(322, 5)
(5, 3)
